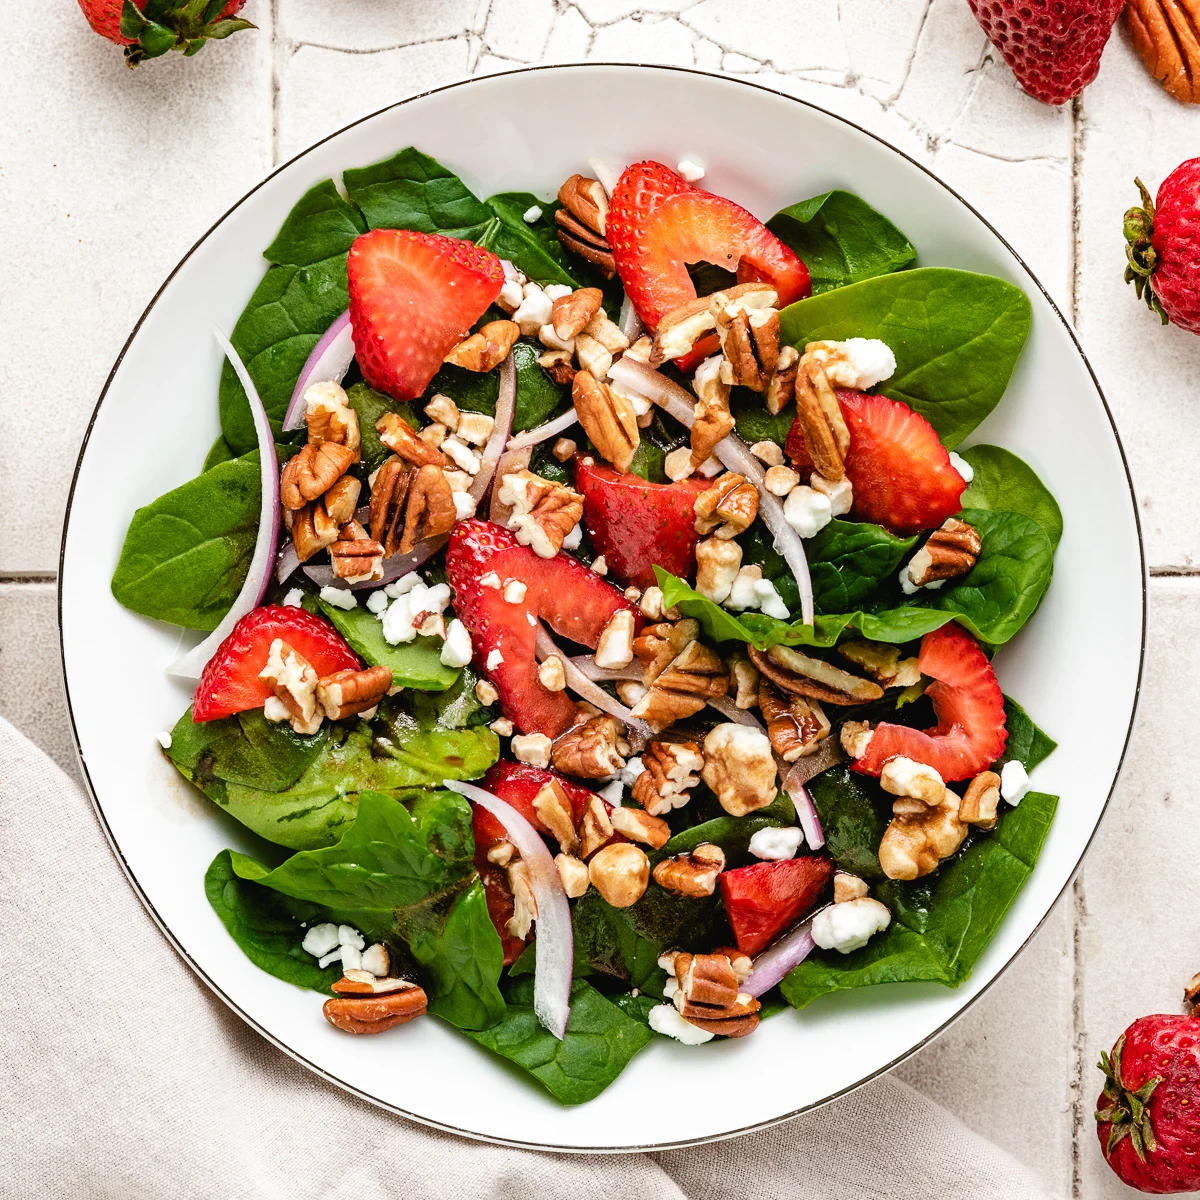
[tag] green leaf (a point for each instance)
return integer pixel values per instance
(538, 396)
(220, 452)
(186, 555)
(1027, 744)
(940, 924)
(956, 336)
(472, 391)
(370, 405)
(410, 190)
(600, 1040)
(415, 664)
(732, 834)
(752, 421)
(267, 926)
(533, 249)
(842, 240)
(607, 942)
(854, 814)
(1003, 481)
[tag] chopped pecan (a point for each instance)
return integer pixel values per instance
(848, 887)
(356, 557)
(1166, 33)
(749, 331)
(573, 874)
(589, 751)
(397, 435)
(680, 329)
(313, 471)
(795, 725)
(374, 1014)
(508, 462)
(693, 874)
(739, 1019)
(313, 529)
(542, 512)
(571, 314)
(639, 826)
(553, 807)
(582, 222)
(713, 420)
(718, 561)
(608, 419)
(802, 675)
(329, 417)
(595, 829)
(485, 349)
(672, 769)
(341, 500)
(744, 675)
(429, 509)
(728, 508)
(950, 551)
(680, 674)
(559, 365)
(826, 437)
(620, 873)
(348, 693)
(293, 681)
(781, 389)
(980, 801)
(520, 883)
(882, 662)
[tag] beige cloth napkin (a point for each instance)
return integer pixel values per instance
(113, 1087)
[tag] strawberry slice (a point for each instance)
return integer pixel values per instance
(901, 472)
(413, 298)
(500, 905)
(575, 602)
(230, 682)
(970, 734)
(517, 784)
(658, 223)
(637, 525)
(765, 898)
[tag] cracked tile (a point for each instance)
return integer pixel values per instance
(519, 28)
(881, 40)
(374, 24)
(644, 38)
(604, 12)
(569, 38)
(804, 38)
(938, 79)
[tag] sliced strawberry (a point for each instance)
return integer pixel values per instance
(970, 734)
(765, 898)
(500, 905)
(518, 784)
(230, 682)
(638, 525)
(413, 298)
(901, 472)
(658, 224)
(575, 602)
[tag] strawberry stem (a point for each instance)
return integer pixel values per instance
(1141, 257)
(1128, 1113)
(162, 25)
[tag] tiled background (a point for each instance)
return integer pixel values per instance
(108, 176)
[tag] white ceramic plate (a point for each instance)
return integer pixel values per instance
(1075, 667)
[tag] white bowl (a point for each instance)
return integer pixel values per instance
(1076, 667)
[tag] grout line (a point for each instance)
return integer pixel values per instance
(1189, 572)
(1079, 1122)
(1078, 125)
(275, 101)
(42, 577)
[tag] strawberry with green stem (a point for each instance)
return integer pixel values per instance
(1163, 247)
(153, 27)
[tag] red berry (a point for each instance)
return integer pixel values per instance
(1164, 247)
(230, 683)
(413, 298)
(1052, 46)
(970, 734)
(765, 898)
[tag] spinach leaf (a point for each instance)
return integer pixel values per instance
(416, 664)
(607, 942)
(956, 336)
(842, 239)
(267, 926)
(599, 1042)
(752, 421)
(221, 451)
(940, 924)
(455, 708)
(732, 834)
(370, 405)
(186, 555)
(538, 396)
(1027, 744)
(1003, 481)
(472, 391)
(296, 301)
(410, 190)
(854, 816)
(533, 249)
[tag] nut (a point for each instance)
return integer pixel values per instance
(329, 417)
(573, 874)
(739, 766)
(475, 428)
(693, 874)
(745, 677)
(397, 435)
(571, 314)
(501, 852)
(374, 1014)
(803, 675)
(313, 472)
(911, 780)
(607, 333)
(508, 462)
(347, 693)
(443, 410)
(595, 828)
(750, 343)
(559, 365)
(590, 750)
(543, 513)
(487, 348)
(592, 356)
(680, 673)
(882, 662)
(294, 682)
(855, 737)
(781, 388)
(525, 909)
(551, 674)
(780, 480)
(826, 437)
(553, 807)
(312, 528)
(563, 449)
(717, 564)
(847, 887)
(410, 505)
(981, 800)
(341, 500)
(728, 508)
(915, 842)
(582, 222)
(1165, 33)
(795, 725)
(608, 419)
(356, 557)
(713, 420)
(680, 329)
(364, 982)
(620, 873)
(704, 991)
(639, 826)
(951, 550)
(671, 771)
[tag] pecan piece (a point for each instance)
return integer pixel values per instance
(680, 674)
(485, 349)
(1166, 33)
(397, 435)
(781, 389)
(313, 471)
(680, 329)
(293, 681)
(355, 556)
(348, 693)
(802, 675)
(639, 826)
(429, 509)
(374, 1014)
(795, 725)
(826, 437)
(582, 222)
(713, 420)
(570, 314)
(312, 529)
(620, 873)
(559, 365)
(693, 874)
(950, 551)
(553, 807)
(341, 500)
(739, 1019)
(748, 326)
(590, 750)
(728, 508)
(542, 512)
(608, 419)
(672, 769)
(329, 417)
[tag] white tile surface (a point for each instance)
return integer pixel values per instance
(107, 177)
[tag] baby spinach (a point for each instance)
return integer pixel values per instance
(472, 391)
(732, 834)
(370, 405)
(607, 942)
(415, 664)
(269, 927)
(538, 396)
(754, 423)
(220, 451)
(1003, 481)
(186, 555)
(599, 1043)
(1027, 744)
(956, 336)
(854, 815)
(940, 924)
(842, 239)
(533, 249)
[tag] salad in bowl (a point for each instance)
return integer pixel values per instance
(600, 607)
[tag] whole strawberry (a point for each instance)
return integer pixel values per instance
(1053, 46)
(1148, 1115)
(149, 28)
(1163, 248)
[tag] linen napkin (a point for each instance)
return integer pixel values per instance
(174, 1096)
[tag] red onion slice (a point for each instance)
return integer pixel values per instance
(399, 564)
(630, 322)
(734, 454)
(286, 563)
(543, 433)
(739, 716)
(506, 404)
(806, 810)
(328, 363)
(555, 941)
(777, 960)
(586, 665)
(258, 577)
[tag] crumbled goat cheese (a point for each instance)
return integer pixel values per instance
(464, 506)
(490, 580)
(532, 748)
(1014, 782)
(294, 598)
(807, 511)
(494, 659)
(377, 601)
(404, 584)
(556, 291)
(461, 455)
(416, 611)
(320, 939)
(858, 363)
(339, 597)
(531, 214)
(631, 770)
(665, 1018)
(534, 310)
(776, 843)
(164, 740)
(375, 960)
(349, 936)
(351, 958)
(850, 925)
(572, 540)
(612, 793)
(457, 649)
(691, 169)
(770, 603)
(963, 467)
(332, 957)
(514, 590)
(839, 491)
(742, 594)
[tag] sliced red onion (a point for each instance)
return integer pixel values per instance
(543, 433)
(734, 454)
(585, 689)
(586, 665)
(730, 711)
(393, 568)
(506, 404)
(806, 810)
(777, 960)
(286, 563)
(555, 941)
(258, 577)
(630, 322)
(607, 173)
(328, 363)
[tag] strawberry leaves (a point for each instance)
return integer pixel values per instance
(1128, 1111)
(162, 25)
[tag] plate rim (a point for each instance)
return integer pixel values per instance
(327, 1075)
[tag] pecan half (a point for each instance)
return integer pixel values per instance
(693, 874)
(950, 551)
(355, 556)
(802, 675)
(429, 509)
(750, 342)
(374, 1014)
(728, 508)
(1166, 33)
(571, 314)
(826, 437)
(608, 419)
(582, 222)
(485, 349)
(328, 416)
(590, 750)
(348, 693)
(713, 420)
(795, 725)
(542, 513)
(313, 471)
(397, 435)
(312, 529)
(739, 1019)
(680, 674)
